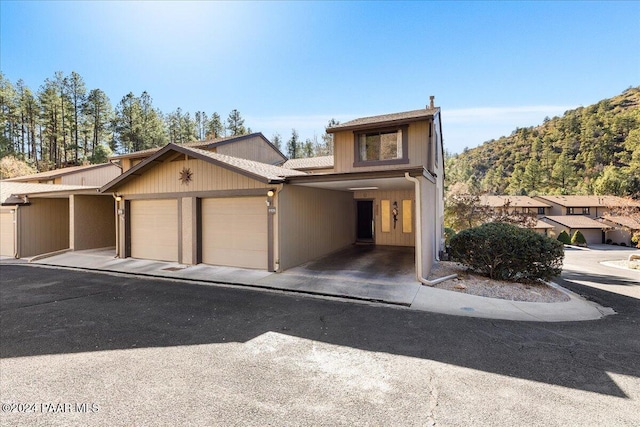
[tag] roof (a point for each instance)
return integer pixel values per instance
(542, 224)
(58, 172)
(514, 202)
(202, 144)
(385, 120)
(588, 201)
(575, 221)
(7, 189)
(322, 162)
(624, 221)
(256, 170)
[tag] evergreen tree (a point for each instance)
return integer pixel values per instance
(276, 139)
(235, 123)
(293, 145)
(215, 128)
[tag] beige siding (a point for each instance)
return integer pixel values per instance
(313, 222)
(430, 225)
(187, 230)
(43, 226)
(620, 236)
(234, 232)
(6, 233)
(93, 177)
(154, 229)
(205, 177)
(418, 145)
(252, 149)
(395, 236)
(92, 222)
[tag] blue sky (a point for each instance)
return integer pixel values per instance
(493, 66)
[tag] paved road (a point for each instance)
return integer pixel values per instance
(153, 352)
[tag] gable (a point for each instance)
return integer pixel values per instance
(205, 176)
(254, 147)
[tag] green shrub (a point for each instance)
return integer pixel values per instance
(578, 239)
(564, 238)
(507, 252)
(448, 234)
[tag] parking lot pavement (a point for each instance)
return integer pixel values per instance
(89, 349)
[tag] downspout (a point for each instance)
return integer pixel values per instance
(16, 252)
(421, 279)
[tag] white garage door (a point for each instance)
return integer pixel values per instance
(234, 232)
(154, 229)
(6, 234)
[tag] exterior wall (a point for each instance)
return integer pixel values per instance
(396, 236)
(7, 234)
(312, 222)
(205, 177)
(418, 146)
(592, 236)
(430, 225)
(254, 148)
(92, 223)
(43, 226)
(619, 236)
(92, 177)
(187, 235)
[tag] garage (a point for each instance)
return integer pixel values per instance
(234, 232)
(154, 229)
(6, 234)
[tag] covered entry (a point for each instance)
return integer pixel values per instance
(154, 229)
(234, 232)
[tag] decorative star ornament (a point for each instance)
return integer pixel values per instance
(185, 175)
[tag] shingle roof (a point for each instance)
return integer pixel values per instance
(385, 119)
(57, 172)
(588, 201)
(24, 188)
(575, 221)
(256, 168)
(542, 224)
(321, 162)
(625, 221)
(514, 201)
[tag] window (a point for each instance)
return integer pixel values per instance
(381, 147)
(577, 211)
(540, 211)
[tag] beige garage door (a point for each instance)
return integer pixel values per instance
(6, 234)
(154, 229)
(234, 232)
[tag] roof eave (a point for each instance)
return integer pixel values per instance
(381, 124)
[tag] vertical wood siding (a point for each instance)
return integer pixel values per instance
(164, 178)
(313, 222)
(6, 233)
(252, 149)
(418, 149)
(395, 236)
(92, 222)
(93, 177)
(44, 226)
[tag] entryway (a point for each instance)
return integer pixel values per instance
(364, 226)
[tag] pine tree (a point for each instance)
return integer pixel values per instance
(215, 129)
(293, 148)
(235, 123)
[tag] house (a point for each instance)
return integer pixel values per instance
(520, 204)
(622, 228)
(41, 218)
(89, 175)
(571, 213)
(211, 204)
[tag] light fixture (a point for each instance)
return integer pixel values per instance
(118, 198)
(362, 188)
(270, 193)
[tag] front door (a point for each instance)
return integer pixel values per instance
(365, 220)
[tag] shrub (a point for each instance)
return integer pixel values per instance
(578, 239)
(507, 252)
(609, 241)
(623, 244)
(448, 234)
(564, 238)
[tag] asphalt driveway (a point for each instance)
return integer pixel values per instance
(156, 352)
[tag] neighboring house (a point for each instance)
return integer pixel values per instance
(523, 204)
(89, 175)
(622, 228)
(572, 213)
(383, 186)
(40, 218)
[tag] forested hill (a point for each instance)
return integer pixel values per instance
(589, 150)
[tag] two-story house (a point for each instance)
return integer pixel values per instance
(383, 186)
(592, 215)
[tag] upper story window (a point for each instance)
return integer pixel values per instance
(577, 211)
(540, 211)
(382, 147)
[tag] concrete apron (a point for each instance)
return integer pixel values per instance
(373, 274)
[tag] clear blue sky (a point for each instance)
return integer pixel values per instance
(492, 66)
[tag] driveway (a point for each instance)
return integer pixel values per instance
(152, 352)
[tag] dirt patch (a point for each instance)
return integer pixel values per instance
(473, 284)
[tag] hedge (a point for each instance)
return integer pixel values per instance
(506, 252)
(564, 237)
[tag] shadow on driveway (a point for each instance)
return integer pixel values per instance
(51, 311)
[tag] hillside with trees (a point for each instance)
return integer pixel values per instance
(589, 150)
(63, 123)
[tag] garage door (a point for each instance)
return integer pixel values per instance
(6, 234)
(154, 229)
(234, 232)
